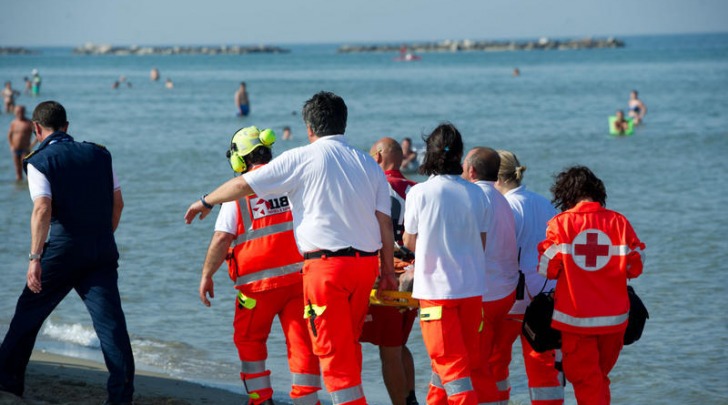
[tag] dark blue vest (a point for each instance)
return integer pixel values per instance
(82, 185)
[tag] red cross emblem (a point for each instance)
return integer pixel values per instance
(591, 249)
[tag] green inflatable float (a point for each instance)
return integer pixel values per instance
(613, 130)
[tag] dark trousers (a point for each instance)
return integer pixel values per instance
(96, 284)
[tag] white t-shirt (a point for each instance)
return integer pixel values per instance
(501, 253)
(39, 185)
(448, 215)
(531, 212)
(227, 218)
(334, 190)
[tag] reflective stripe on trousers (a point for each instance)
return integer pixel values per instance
(455, 387)
(347, 395)
(268, 273)
(257, 383)
(546, 393)
(550, 393)
(252, 367)
(504, 402)
(310, 399)
(307, 380)
(503, 385)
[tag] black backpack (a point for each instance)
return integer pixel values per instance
(638, 316)
(537, 323)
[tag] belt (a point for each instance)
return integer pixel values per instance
(350, 252)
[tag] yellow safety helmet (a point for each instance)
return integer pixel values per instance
(245, 141)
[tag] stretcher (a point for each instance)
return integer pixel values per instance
(392, 298)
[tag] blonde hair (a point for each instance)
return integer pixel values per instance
(510, 170)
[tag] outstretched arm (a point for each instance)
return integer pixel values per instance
(231, 190)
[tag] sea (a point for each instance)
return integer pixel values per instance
(168, 147)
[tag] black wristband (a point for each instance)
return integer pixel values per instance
(205, 203)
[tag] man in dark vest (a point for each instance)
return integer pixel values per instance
(77, 205)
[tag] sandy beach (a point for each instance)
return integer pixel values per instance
(54, 379)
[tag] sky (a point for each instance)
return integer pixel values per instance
(29, 23)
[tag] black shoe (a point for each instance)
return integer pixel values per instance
(411, 399)
(15, 392)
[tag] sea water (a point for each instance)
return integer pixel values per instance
(169, 147)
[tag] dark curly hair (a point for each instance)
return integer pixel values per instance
(444, 150)
(575, 184)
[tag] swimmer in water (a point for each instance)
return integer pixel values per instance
(621, 125)
(19, 136)
(637, 108)
(9, 95)
(409, 155)
(242, 101)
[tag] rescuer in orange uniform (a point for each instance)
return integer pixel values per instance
(265, 265)
(341, 210)
(591, 252)
(531, 212)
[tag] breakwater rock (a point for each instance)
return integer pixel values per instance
(100, 49)
(469, 45)
(16, 51)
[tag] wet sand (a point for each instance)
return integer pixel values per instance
(54, 379)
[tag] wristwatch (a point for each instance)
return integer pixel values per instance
(34, 256)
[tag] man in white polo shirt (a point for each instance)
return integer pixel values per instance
(341, 215)
(481, 167)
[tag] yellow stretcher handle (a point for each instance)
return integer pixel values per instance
(393, 298)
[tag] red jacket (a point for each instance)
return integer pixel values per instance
(591, 252)
(265, 255)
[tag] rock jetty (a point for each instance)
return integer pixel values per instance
(101, 49)
(469, 45)
(16, 51)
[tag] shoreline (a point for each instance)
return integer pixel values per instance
(57, 379)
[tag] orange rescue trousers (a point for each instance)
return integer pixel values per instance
(544, 380)
(336, 297)
(490, 389)
(451, 329)
(588, 359)
(254, 313)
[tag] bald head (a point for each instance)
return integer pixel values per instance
(19, 111)
(485, 163)
(387, 153)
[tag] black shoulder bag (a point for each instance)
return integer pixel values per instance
(638, 316)
(537, 323)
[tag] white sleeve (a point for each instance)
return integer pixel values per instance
(38, 184)
(227, 219)
(411, 218)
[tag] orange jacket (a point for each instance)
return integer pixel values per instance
(265, 255)
(591, 252)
